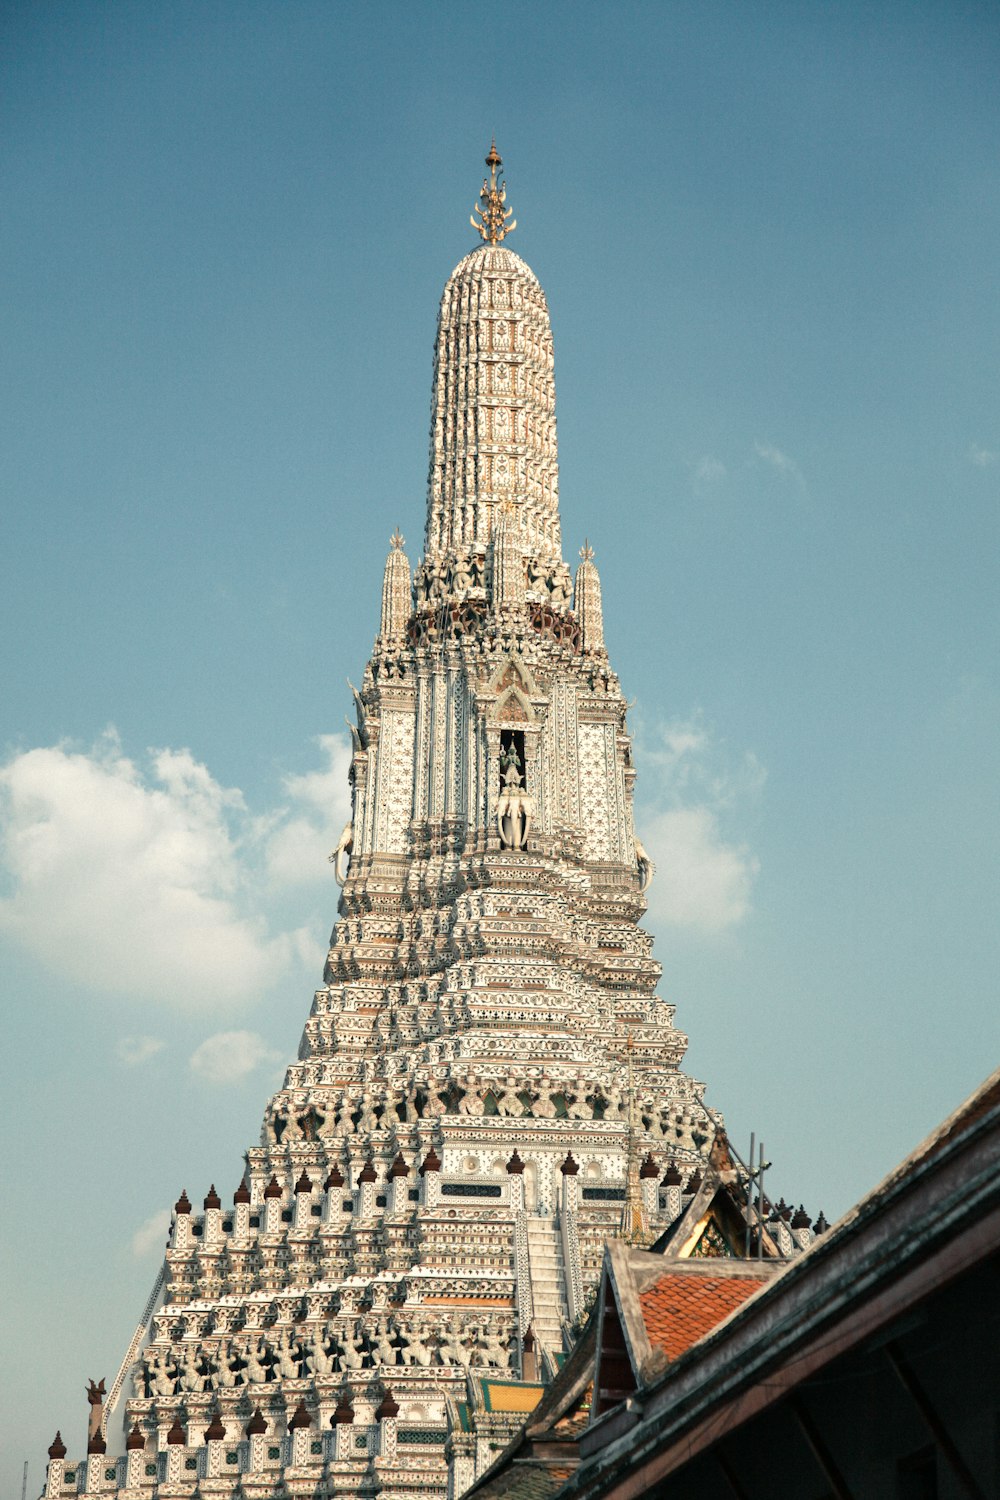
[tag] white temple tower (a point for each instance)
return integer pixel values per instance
(435, 1181)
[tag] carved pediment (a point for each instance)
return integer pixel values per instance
(512, 688)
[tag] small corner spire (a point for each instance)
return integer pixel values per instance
(492, 222)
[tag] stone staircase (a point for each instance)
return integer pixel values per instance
(548, 1282)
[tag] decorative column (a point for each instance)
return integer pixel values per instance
(303, 1201)
(522, 1269)
(399, 1185)
(241, 1212)
(529, 1365)
(672, 1191)
(515, 1171)
(256, 1431)
(431, 1173)
(801, 1229)
(272, 1207)
(333, 1209)
(649, 1186)
(180, 1238)
(135, 1457)
(342, 1423)
(213, 1218)
(385, 1415)
(176, 1444)
(56, 1467)
(95, 1472)
(367, 1178)
(215, 1441)
(570, 1170)
(300, 1429)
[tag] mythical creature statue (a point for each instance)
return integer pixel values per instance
(345, 845)
(645, 865)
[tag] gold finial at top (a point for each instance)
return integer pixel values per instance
(493, 216)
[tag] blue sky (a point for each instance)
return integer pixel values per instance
(768, 238)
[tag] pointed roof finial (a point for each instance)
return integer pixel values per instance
(587, 551)
(397, 541)
(493, 216)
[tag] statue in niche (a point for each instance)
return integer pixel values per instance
(436, 1103)
(544, 1107)
(161, 1375)
(561, 592)
(367, 1119)
(509, 1101)
(417, 1349)
(453, 1350)
(471, 1102)
(230, 1369)
(322, 1354)
(258, 1362)
(345, 1116)
(346, 1352)
(494, 1348)
(578, 1105)
(383, 1345)
(510, 764)
(515, 808)
(189, 1374)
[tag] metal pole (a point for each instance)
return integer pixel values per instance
(746, 1248)
(760, 1206)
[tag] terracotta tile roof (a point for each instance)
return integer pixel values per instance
(524, 1481)
(680, 1309)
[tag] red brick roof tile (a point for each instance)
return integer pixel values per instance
(680, 1309)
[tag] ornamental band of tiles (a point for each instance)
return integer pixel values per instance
(487, 1058)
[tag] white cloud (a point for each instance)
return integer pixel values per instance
(696, 792)
(982, 457)
(299, 843)
(708, 471)
(703, 882)
(230, 1056)
(151, 1235)
(153, 874)
(780, 462)
(134, 1050)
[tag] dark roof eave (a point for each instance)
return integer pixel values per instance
(947, 1189)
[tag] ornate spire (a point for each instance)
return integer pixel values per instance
(508, 560)
(492, 222)
(587, 601)
(395, 591)
(493, 412)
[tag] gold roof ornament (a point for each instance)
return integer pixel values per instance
(492, 221)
